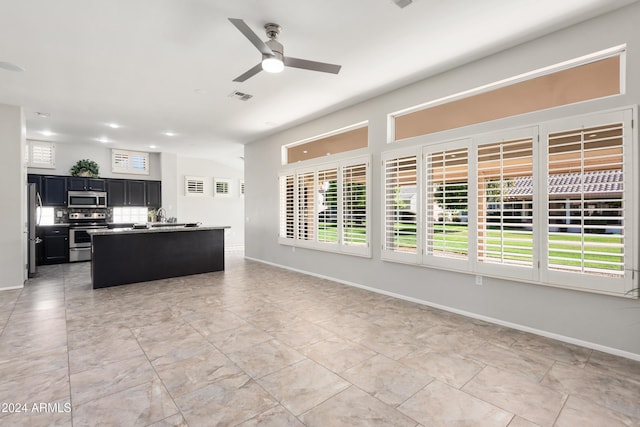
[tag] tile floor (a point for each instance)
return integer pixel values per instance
(258, 345)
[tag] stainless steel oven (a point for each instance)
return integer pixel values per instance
(79, 239)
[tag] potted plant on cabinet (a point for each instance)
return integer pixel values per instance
(85, 167)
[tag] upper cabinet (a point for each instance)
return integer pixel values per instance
(54, 191)
(121, 192)
(136, 193)
(153, 192)
(77, 183)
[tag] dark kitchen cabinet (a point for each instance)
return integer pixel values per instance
(37, 180)
(55, 244)
(136, 193)
(76, 183)
(54, 191)
(116, 192)
(153, 191)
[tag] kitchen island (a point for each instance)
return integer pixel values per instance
(128, 255)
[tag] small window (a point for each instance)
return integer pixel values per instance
(346, 139)
(193, 186)
(287, 208)
(241, 188)
(41, 154)
(222, 187)
(129, 162)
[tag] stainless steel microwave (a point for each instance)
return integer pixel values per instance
(87, 199)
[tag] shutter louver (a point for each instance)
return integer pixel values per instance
(306, 204)
(354, 204)
(287, 207)
(328, 206)
(585, 200)
(42, 154)
(400, 186)
(505, 212)
(193, 186)
(447, 203)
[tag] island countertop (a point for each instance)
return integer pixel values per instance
(165, 229)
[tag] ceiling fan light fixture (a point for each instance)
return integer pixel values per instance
(272, 65)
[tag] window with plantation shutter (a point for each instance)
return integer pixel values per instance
(447, 204)
(504, 204)
(328, 205)
(354, 204)
(41, 154)
(400, 207)
(287, 207)
(129, 162)
(221, 187)
(306, 206)
(193, 186)
(590, 220)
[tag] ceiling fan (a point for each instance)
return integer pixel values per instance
(273, 59)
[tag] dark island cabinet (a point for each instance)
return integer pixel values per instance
(54, 191)
(153, 191)
(135, 193)
(55, 244)
(116, 192)
(76, 183)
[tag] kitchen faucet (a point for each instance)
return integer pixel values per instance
(161, 215)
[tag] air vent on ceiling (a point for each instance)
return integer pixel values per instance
(240, 95)
(402, 3)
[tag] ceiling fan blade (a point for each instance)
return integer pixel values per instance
(253, 37)
(252, 72)
(312, 65)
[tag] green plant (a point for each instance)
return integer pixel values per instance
(85, 167)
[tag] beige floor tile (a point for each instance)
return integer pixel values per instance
(610, 364)
(137, 406)
(526, 363)
(551, 349)
(274, 417)
(225, 403)
(518, 394)
(112, 378)
(439, 404)
(56, 413)
(265, 358)
(50, 386)
(386, 379)
(450, 368)
(580, 412)
(521, 422)
(176, 420)
(190, 374)
(612, 392)
(231, 340)
(36, 363)
(352, 408)
(299, 333)
(104, 353)
(337, 354)
(303, 385)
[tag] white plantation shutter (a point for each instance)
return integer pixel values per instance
(41, 154)
(354, 204)
(306, 206)
(587, 200)
(221, 187)
(400, 208)
(287, 208)
(505, 209)
(193, 186)
(328, 206)
(447, 204)
(130, 162)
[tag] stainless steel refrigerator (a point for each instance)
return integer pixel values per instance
(33, 213)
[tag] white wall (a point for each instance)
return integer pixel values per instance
(209, 209)
(67, 154)
(13, 238)
(607, 323)
(170, 188)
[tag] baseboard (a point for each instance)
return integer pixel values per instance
(547, 334)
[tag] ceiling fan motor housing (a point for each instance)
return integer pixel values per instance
(277, 48)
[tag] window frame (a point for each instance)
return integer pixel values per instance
(32, 145)
(130, 156)
(539, 273)
(339, 246)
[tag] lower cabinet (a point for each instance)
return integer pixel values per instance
(55, 244)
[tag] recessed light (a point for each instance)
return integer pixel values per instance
(153, 146)
(43, 115)
(103, 139)
(305, 152)
(169, 133)
(113, 125)
(328, 154)
(47, 133)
